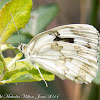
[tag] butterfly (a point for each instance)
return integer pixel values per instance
(68, 51)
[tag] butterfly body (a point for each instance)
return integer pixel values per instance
(69, 51)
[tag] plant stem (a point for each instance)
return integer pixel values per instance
(94, 92)
(94, 13)
(4, 69)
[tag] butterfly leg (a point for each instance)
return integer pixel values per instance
(18, 61)
(41, 75)
(14, 61)
(21, 60)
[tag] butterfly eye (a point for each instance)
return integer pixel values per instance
(21, 48)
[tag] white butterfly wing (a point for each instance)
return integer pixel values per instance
(68, 51)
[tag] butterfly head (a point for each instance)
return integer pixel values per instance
(22, 47)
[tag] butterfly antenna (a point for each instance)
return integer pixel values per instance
(16, 28)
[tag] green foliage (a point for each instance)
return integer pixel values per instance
(21, 13)
(94, 22)
(23, 71)
(6, 46)
(40, 18)
(18, 10)
(97, 78)
(25, 38)
(3, 2)
(95, 88)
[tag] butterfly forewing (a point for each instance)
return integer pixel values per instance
(68, 51)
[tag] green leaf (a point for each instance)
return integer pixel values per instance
(2, 65)
(3, 2)
(20, 11)
(97, 79)
(15, 38)
(13, 61)
(23, 72)
(6, 46)
(1, 58)
(20, 71)
(40, 18)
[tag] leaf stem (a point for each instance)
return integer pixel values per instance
(2, 60)
(94, 13)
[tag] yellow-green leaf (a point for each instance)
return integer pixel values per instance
(6, 46)
(24, 72)
(3, 2)
(20, 10)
